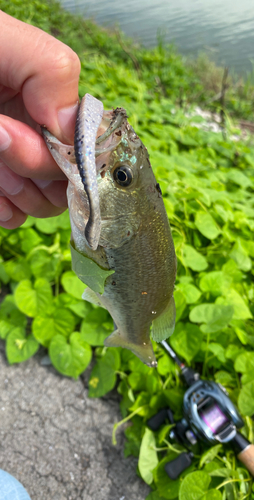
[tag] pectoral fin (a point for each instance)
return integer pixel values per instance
(90, 296)
(164, 325)
(144, 352)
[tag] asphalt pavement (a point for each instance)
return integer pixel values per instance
(56, 441)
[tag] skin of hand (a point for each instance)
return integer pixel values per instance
(38, 86)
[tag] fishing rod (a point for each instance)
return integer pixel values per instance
(209, 415)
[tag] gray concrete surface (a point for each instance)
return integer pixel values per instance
(57, 442)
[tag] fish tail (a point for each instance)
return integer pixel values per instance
(143, 351)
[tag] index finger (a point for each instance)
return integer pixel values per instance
(44, 70)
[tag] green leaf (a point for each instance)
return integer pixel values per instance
(212, 495)
(234, 299)
(180, 304)
(186, 340)
(103, 376)
(194, 486)
(96, 326)
(50, 225)
(207, 225)
(240, 256)
(190, 292)
(246, 399)
(30, 239)
(218, 351)
(210, 454)
(71, 357)
(244, 364)
(44, 265)
(148, 459)
(18, 269)
(57, 322)
(216, 316)
(3, 274)
(193, 259)
(20, 347)
(10, 317)
(224, 378)
(33, 299)
(72, 284)
(89, 272)
(216, 282)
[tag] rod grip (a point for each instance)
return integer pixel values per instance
(247, 458)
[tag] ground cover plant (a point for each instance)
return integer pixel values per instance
(207, 181)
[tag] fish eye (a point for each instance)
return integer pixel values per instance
(123, 175)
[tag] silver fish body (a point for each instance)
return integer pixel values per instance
(134, 236)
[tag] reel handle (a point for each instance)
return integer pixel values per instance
(178, 465)
(244, 451)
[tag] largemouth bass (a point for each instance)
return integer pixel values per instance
(118, 220)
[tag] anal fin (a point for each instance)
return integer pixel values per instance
(90, 296)
(142, 351)
(164, 325)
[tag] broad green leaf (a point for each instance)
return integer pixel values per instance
(19, 346)
(72, 284)
(216, 316)
(137, 381)
(186, 340)
(18, 269)
(44, 265)
(33, 299)
(210, 454)
(89, 272)
(58, 322)
(216, 282)
(234, 299)
(224, 378)
(212, 495)
(47, 226)
(193, 259)
(165, 365)
(207, 225)
(96, 326)
(218, 351)
(10, 316)
(240, 256)
(190, 292)
(70, 357)
(103, 376)
(239, 178)
(148, 459)
(194, 486)
(30, 239)
(244, 364)
(246, 399)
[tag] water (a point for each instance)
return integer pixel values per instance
(224, 29)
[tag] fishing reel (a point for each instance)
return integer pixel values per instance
(208, 415)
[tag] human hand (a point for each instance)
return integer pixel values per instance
(38, 86)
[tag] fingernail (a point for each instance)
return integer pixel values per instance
(6, 212)
(40, 183)
(5, 139)
(67, 118)
(10, 182)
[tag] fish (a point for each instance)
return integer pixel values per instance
(118, 220)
